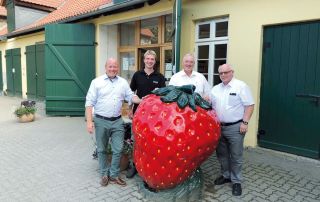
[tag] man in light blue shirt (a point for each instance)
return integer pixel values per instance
(106, 95)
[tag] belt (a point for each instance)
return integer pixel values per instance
(108, 118)
(229, 124)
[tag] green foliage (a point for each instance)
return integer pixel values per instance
(24, 110)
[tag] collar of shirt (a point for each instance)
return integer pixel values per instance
(106, 77)
(144, 73)
(185, 74)
(230, 84)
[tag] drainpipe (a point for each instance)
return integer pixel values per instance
(177, 34)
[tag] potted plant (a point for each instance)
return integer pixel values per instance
(126, 153)
(26, 111)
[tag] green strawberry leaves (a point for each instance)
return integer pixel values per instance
(183, 95)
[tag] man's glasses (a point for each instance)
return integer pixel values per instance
(222, 73)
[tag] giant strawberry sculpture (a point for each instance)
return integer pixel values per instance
(175, 130)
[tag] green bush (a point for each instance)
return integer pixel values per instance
(24, 110)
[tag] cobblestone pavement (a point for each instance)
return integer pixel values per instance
(50, 160)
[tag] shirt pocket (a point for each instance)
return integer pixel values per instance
(233, 100)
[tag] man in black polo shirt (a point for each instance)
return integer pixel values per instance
(143, 82)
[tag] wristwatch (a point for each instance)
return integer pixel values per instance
(245, 122)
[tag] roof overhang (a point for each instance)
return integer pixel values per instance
(116, 8)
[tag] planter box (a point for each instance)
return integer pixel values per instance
(26, 118)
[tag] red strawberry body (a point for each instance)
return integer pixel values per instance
(170, 143)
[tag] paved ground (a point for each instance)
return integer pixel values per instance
(50, 160)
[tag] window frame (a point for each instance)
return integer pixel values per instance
(137, 45)
(211, 41)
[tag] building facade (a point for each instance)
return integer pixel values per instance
(272, 45)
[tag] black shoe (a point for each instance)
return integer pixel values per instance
(236, 189)
(131, 172)
(221, 180)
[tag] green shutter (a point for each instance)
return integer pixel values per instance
(31, 71)
(41, 76)
(70, 67)
(35, 71)
(13, 70)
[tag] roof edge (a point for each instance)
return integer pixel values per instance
(114, 9)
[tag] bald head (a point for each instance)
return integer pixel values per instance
(225, 73)
(111, 67)
(225, 67)
(188, 63)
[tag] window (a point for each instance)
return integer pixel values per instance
(127, 64)
(127, 34)
(136, 37)
(149, 31)
(168, 29)
(211, 48)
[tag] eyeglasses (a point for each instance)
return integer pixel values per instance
(222, 73)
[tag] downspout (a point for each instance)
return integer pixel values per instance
(177, 35)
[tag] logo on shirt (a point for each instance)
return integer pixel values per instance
(155, 82)
(234, 94)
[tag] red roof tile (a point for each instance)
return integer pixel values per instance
(4, 30)
(49, 3)
(3, 11)
(70, 8)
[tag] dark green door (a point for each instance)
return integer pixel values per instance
(35, 71)
(1, 78)
(290, 89)
(13, 71)
(70, 67)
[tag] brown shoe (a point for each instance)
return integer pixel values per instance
(104, 181)
(118, 181)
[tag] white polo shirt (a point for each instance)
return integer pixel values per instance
(229, 100)
(197, 79)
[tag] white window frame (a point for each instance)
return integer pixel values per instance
(211, 41)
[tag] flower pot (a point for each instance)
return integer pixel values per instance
(124, 161)
(26, 118)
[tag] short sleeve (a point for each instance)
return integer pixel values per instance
(246, 96)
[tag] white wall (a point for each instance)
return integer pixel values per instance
(107, 37)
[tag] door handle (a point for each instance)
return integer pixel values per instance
(312, 96)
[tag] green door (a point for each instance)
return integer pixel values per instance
(70, 67)
(35, 71)
(290, 89)
(1, 79)
(13, 70)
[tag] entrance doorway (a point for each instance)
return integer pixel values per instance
(290, 89)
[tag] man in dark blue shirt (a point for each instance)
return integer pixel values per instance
(142, 83)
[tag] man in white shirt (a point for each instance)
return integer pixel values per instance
(188, 76)
(234, 106)
(106, 95)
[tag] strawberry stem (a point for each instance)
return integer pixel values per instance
(183, 95)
